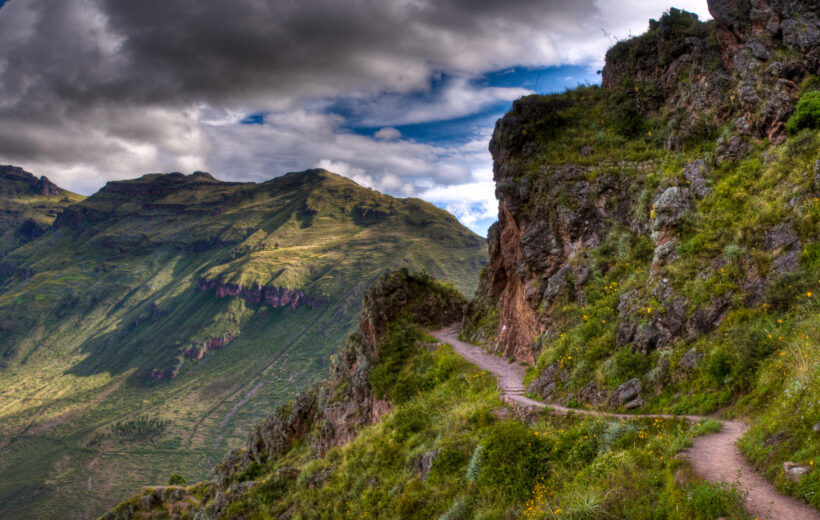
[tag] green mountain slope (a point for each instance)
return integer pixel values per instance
(160, 318)
(28, 206)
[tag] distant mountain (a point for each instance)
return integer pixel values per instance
(28, 206)
(146, 328)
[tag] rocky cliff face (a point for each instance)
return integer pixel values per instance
(270, 295)
(32, 184)
(569, 197)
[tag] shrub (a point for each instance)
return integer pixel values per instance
(708, 427)
(718, 366)
(626, 365)
(807, 113)
(711, 501)
(474, 468)
(176, 480)
(411, 419)
(628, 120)
(613, 432)
(513, 458)
(251, 472)
(587, 505)
(459, 511)
(451, 458)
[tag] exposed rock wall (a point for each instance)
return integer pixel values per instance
(270, 295)
(742, 70)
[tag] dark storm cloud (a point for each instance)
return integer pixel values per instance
(110, 86)
(97, 89)
(229, 51)
(166, 52)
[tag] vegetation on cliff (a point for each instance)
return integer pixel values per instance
(28, 207)
(657, 239)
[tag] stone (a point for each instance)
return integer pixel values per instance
(670, 207)
(705, 319)
(664, 253)
(747, 94)
(557, 283)
(731, 149)
(650, 338)
(801, 32)
(787, 262)
(696, 172)
(691, 359)
(424, 463)
(545, 384)
(817, 427)
(501, 413)
(795, 471)
(759, 50)
(629, 393)
(635, 403)
(592, 394)
(542, 388)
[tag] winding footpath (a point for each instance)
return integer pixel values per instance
(714, 457)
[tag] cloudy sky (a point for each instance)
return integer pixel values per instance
(400, 95)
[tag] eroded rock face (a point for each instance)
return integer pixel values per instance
(270, 295)
(536, 249)
(742, 69)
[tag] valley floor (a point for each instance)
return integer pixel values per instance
(714, 457)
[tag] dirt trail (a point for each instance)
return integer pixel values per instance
(714, 457)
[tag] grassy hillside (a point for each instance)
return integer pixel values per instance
(160, 318)
(28, 206)
(448, 449)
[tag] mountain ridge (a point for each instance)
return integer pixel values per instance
(140, 305)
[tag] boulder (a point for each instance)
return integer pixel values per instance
(592, 394)
(424, 463)
(780, 236)
(730, 150)
(696, 172)
(691, 360)
(670, 207)
(628, 395)
(795, 471)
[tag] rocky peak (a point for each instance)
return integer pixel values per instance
(34, 186)
(746, 66)
(43, 186)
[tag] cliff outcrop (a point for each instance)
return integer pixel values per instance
(270, 295)
(600, 180)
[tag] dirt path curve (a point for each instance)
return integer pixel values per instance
(713, 457)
